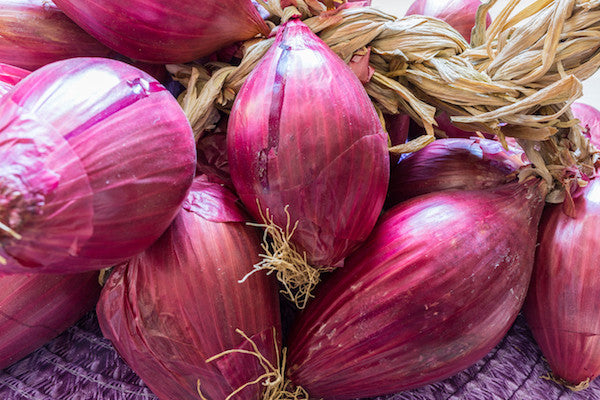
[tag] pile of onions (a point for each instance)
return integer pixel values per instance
(435, 287)
(293, 152)
(456, 163)
(178, 303)
(164, 31)
(35, 33)
(96, 157)
(36, 308)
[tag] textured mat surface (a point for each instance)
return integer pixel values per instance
(82, 365)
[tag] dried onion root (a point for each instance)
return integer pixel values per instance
(277, 386)
(575, 388)
(525, 72)
(292, 269)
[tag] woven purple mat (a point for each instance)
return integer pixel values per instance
(82, 365)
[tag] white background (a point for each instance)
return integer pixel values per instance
(591, 87)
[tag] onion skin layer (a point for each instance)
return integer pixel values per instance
(9, 77)
(303, 133)
(166, 31)
(465, 164)
(179, 302)
(36, 308)
(562, 303)
(34, 33)
(434, 288)
(97, 158)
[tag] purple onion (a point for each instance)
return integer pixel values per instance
(465, 164)
(435, 287)
(179, 302)
(36, 308)
(166, 31)
(35, 33)
(97, 157)
(303, 133)
(562, 303)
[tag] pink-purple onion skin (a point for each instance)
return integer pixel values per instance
(562, 304)
(460, 14)
(303, 133)
(166, 31)
(36, 308)
(589, 120)
(465, 164)
(34, 33)
(434, 288)
(178, 303)
(9, 77)
(97, 158)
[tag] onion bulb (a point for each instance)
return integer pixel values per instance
(96, 158)
(435, 287)
(562, 303)
(179, 302)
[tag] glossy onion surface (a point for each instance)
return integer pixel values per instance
(166, 31)
(96, 158)
(562, 303)
(36, 308)
(304, 134)
(179, 303)
(435, 287)
(34, 33)
(452, 164)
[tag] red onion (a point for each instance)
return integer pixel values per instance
(304, 134)
(562, 303)
(166, 31)
(96, 157)
(465, 164)
(9, 77)
(435, 287)
(460, 14)
(589, 117)
(35, 33)
(36, 308)
(179, 302)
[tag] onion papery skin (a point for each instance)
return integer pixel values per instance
(9, 77)
(97, 158)
(34, 33)
(179, 302)
(589, 120)
(164, 31)
(460, 14)
(36, 308)
(465, 164)
(434, 288)
(303, 133)
(562, 303)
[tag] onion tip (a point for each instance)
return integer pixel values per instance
(297, 276)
